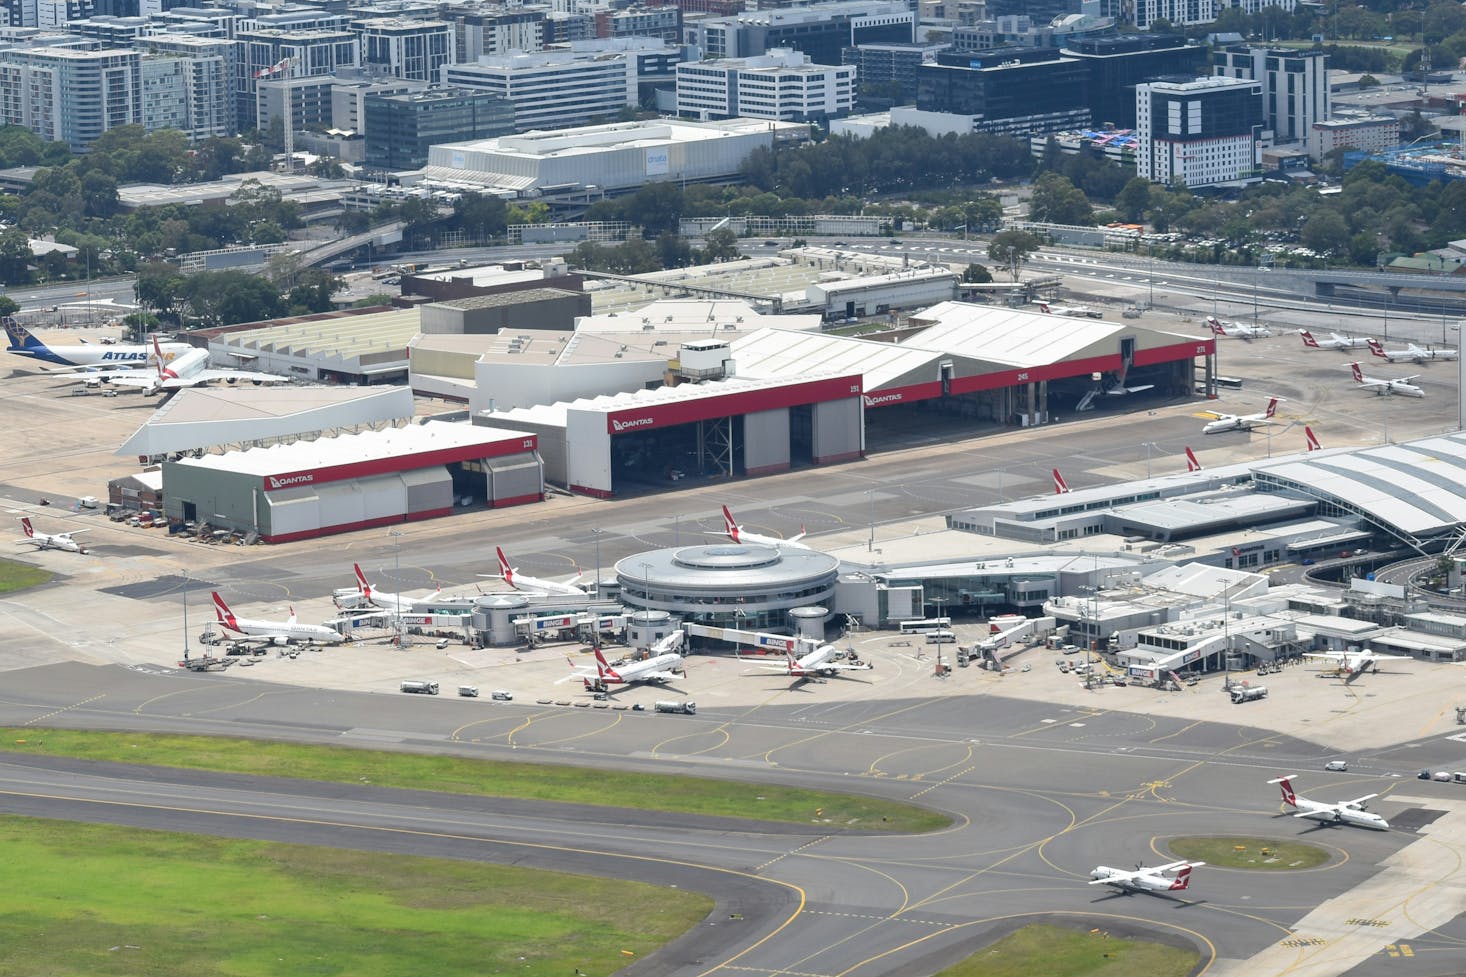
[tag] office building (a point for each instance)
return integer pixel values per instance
(309, 98)
(1012, 91)
(821, 31)
(413, 49)
(890, 69)
(199, 21)
(1295, 86)
(400, 128)
(60, 13)
(111, 31)
(781, 84)
(1179, 13)
(349, 95)
(1199, 133)
(1116, 64)
(552, 89)
(663, 23)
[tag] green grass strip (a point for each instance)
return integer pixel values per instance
(489, 778)
(1267, 854)
(18, 576)
(1054, 951)
(82, 900)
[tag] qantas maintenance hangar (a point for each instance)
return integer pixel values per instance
(313, 488)
(744, 402)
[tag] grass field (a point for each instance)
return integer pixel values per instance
(18, 576)
(82, 900)
(578, 785)
(1054, 951)
(1268, 854)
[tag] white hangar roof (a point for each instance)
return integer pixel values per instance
(1415, 490)
(784, 353)
(204, 417)
(353, 449)
(1016, 337)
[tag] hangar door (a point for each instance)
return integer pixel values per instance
(362, 500)
(838, 430)
(429, 491)
(766, 441)
(515, 479)
(290, 511)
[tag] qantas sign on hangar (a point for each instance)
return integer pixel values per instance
(735, 426)
(376, 478)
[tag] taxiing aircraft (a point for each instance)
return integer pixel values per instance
(822, 661)
(1416, 354)
(1383, 388)
(1146, 879)
(1335, 341)
(1311, 439)
(278, 632)
(534, 585)
(85, 356)
(189, 369)
(1344, 812)
(1073, 311)
(660, 670)
(738, 534)
(51, 541)
(1192, 465)
(1061, 487)
(1240, 422)
(1236, 330)
(399, 603)
(1354, 662)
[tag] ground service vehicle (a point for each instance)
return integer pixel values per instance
(1249, 693)
(686, 707)
(501, 695)
(422, 688)
(468, 691)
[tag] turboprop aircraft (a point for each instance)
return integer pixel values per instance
(1146, 879)
(1239, 422)
(1334, 341)
(1343, 812)
(51, 541)
(1417, 354)
(1385, 387)
(1236, 330)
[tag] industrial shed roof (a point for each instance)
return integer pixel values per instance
(1019, 338)
(782, 353)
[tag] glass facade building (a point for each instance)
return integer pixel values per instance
(400, 128)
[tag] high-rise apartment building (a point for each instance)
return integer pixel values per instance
(70, 95)
(552, 89)
(782, 85)
(413, 49)
(821, 31)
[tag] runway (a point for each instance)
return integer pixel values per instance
(1039, 796)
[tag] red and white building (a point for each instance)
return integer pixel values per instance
(331, 485)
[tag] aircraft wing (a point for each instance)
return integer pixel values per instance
(657, 676)
(234, 376)
(1219, 415)
(83, 374)
(1415, 376)
(137, 378)
(1358, 801)
(843, 667)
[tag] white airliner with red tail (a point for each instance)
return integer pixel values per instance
(1335, 341)
(1192, 465)
(50, 541)
(400, 603)
(1146, 879)
(1352, 663)
(1240, 422)
(661, 669)
(738, 534)
(278, 632)
(1236, 330)
(1311, 439)
(1061, 487)
(534, 585)
(825, 660)
(1073, 311)
(1411, 352)
(176, 372)
(1343, 812)
(1400, 386)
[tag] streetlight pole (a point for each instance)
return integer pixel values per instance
(870, 544)
(396, 535)
(597, 534)
(185, 617)
(1148, 446)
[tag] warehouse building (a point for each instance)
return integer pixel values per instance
(315, 488)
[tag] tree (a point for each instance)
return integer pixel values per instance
(719, 245)
(1133, 199)
(313, 290)
(137, 325)
(976, 274)
(223, 297)
(1010, 250)
(1056, 200)
(15, 257)
(1325, 232)
(8, 306)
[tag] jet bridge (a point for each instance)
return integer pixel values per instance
(777, 643)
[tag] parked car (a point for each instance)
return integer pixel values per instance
(1337, 766)
(1444, 776)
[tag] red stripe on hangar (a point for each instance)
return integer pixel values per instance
(903, 395)
(796, 393)
(401, 463)
(1079, 368)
